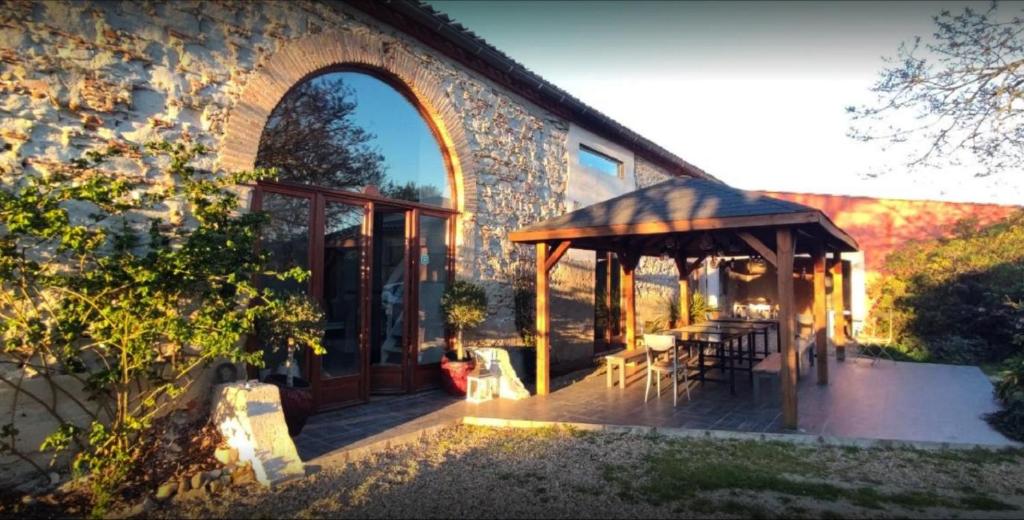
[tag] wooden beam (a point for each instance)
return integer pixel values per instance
(556, 253)
(543, 323)
(684, 290)
(629, 261)
(838, 307)
(784, 268)
(820, 319)
(659, 227)
(756, 244)
(684, 268)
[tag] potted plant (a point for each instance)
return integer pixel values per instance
(463, 306)
(295, 323)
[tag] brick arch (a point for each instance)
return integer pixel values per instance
(301, 59)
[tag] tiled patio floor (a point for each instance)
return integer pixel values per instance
(897, 401)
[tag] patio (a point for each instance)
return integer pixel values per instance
(912, 402)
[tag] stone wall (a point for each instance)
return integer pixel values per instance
(76, 76)
(657, 279)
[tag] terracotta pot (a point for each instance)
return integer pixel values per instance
(296, 401)
(454, 374)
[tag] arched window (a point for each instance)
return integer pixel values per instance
(350, 130)
(378, 267)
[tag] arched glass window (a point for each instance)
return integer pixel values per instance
(349, 130)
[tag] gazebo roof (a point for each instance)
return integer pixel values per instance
(684, 205)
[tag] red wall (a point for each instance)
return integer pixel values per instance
(881, 225)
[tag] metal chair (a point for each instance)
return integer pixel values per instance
(656, 346)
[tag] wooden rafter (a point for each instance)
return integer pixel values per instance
(555, 253)
(756, 244)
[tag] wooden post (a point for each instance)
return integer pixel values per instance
(820, 316)
(543, 321)
(547, 257)
(684, 291)
(628, 263)
(838, 307)
(784, 267)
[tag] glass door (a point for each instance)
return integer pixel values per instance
(342, 283)
(378, 269)
(433, 265)
(286, 243)
(389, 339)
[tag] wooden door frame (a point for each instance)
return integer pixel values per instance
(412, 376)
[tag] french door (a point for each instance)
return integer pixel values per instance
(378, 270)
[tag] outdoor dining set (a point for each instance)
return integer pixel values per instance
(713, 351)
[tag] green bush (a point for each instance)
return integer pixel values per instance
(131, 305)
(955, 297)
(1010, 390)
(698, 308)
(464, 306)
(524, 294)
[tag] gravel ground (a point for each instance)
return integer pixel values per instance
(485, 473)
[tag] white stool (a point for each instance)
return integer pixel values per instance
(482, 385)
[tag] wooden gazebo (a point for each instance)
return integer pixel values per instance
(691, 219)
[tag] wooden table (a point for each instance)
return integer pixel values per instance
(768, 324)
(728, 347)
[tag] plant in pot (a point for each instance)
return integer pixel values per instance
(463, 306)
(290, 325)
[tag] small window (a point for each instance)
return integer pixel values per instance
(596, 160)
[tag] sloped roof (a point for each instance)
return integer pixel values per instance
(680, 205)
(440, 31)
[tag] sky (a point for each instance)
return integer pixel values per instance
(753, 93)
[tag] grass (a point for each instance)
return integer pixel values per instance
(467, 471)
(683, 470)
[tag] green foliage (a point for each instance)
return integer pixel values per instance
(698, 308)
(1010, 390)
(655, 326)
(954, 298)
(524, 292)
(94, 287)
(464, 306)
(672, 304)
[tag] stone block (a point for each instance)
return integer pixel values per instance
(250, 418)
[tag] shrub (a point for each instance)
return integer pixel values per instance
(464, 306)
(524, 294)
(964, 286)
(130, 304)
(1010, 391)
(698, 308)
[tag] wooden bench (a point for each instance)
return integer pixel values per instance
(619, 360)
(769, 368)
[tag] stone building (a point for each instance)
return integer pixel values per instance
(382, 117)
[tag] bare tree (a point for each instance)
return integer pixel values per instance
(312, 137)
(963, 89)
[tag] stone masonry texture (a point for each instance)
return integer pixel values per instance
(82, 75)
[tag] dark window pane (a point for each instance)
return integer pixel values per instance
(598, 161)
(285, 240)
(348, 130)
(433, 260)
(388, 288)
(343, 242)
